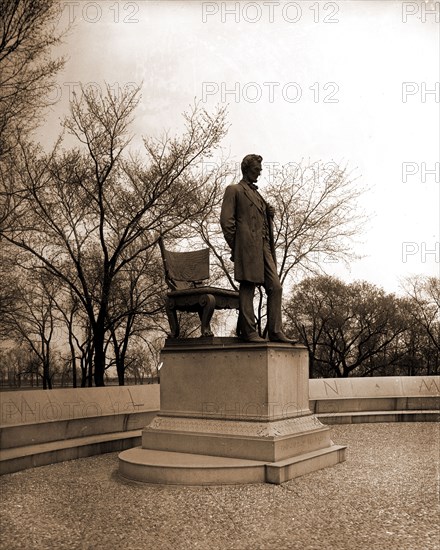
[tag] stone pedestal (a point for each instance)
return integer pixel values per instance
(231, 413)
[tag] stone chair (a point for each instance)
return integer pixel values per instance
(185, 273)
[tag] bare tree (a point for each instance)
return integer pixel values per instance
(317, 216)
(135, 304)
(19, 363)
(89, 213)
(420, 354)
(28, 32)
(424, 294)
(34, 323)
(9, 289)
(76, 325)
(346, 327)
(141, 366)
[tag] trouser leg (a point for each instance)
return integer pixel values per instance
(274, 292)
(247, 316)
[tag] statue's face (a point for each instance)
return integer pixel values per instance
(254, 171)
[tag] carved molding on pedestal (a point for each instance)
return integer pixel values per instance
(269, 430)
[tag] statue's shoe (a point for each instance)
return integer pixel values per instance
(281, 337)
(254, 338)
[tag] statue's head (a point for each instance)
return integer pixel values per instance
(251, 167)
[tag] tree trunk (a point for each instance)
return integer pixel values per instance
(72, 354)
(83, 366)
(74, 383)
(98, 341)
(98, 329)
(121, 374)
(119, 358)
(47, 383)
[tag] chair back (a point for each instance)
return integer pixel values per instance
(185, 269)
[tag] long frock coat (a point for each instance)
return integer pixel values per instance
(242, 221)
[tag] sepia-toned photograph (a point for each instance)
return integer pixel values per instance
(220, 275)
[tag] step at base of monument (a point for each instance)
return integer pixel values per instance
(174, 468)
(279, 472)
(261, 441)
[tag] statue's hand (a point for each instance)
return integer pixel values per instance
(270, 210)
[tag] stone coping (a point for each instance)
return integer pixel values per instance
(373, 387)
(39, 406)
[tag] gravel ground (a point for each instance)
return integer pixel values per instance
(384, 496)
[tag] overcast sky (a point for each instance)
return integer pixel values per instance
(345, 81)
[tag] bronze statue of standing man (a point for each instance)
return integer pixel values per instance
(246, 221)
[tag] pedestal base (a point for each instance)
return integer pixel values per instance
(232, 413)
(173, 468)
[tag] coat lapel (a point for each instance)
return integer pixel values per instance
(251, 196)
